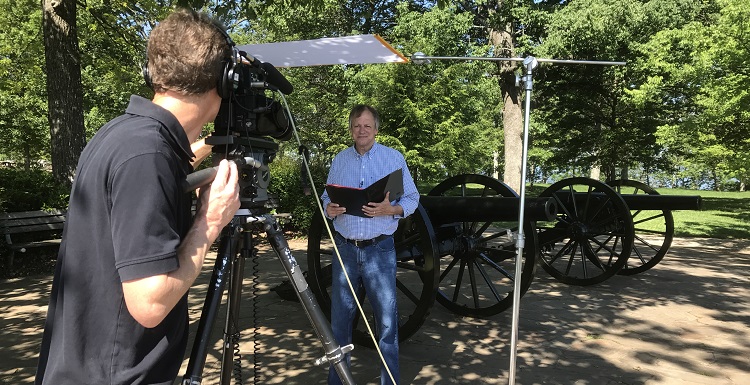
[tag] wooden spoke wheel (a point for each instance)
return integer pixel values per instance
(653, 230)
(416, 276)
(592, 236)
(478, 258)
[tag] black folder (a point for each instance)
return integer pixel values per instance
(354, 198)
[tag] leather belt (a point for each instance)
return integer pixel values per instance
(365, 242)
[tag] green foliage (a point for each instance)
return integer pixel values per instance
(698, 74)
(591, 118)
(287, 185)
(35, 189)
(24, 133)
(680, 103)
(443, 113)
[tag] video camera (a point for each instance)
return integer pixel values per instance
(248, 121)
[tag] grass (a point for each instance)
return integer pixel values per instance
(724, 215)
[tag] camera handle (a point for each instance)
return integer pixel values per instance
(225, 259)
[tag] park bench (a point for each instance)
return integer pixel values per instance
(28, 229)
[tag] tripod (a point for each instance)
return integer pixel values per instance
(238, 236)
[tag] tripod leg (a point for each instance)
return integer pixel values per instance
(334, 353)
(227, 245)
(231, 329)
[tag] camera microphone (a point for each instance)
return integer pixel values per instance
(275, 78)
(248, 59)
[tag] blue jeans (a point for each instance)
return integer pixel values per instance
(372, 270)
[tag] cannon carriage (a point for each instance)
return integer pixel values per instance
(459, 248)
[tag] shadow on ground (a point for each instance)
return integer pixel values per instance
(685, 321)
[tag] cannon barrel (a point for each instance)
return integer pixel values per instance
(646, 202)
(446, 209)
(662, 202)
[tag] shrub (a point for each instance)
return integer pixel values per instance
(35, 189)
(286, 185)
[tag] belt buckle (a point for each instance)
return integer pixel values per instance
(359, 243)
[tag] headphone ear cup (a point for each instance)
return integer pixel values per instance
(146, 75)
(226, 81)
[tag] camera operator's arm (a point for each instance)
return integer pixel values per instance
(201, 151)
(150, 299)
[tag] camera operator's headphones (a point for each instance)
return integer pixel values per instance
(228, 81)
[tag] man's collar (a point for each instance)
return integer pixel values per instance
(144, 107)
(369, 152)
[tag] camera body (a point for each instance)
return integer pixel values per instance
(247, 124)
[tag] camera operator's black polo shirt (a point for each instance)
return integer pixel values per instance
(126, 218)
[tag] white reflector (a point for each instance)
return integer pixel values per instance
(358, 49)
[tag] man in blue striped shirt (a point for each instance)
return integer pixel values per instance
(366, 244)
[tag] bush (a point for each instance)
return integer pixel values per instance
(36, 189)
(286, 185)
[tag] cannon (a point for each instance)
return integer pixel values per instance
(624, 227)
(459, 247)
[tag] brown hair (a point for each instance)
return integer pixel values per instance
(359, 109)
(187, 53)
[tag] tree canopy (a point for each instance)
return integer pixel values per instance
(677, 114)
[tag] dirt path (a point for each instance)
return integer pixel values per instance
(687, 321)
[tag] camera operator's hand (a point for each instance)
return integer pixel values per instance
(221, 199)
(333, 210)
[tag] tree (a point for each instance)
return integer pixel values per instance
(64, 94)
(697, 71)
(724, 73)
(609, 116)
(508, 29)
(443, 113)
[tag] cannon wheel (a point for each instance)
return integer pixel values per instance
(654, 230)
(416, 276)
(592, 236)
(478, 279)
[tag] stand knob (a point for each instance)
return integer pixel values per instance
(326, 359)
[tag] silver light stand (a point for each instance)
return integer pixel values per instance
(530, 63)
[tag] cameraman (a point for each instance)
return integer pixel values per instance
(366, 245)
(131, 248)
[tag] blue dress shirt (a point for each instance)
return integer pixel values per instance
(351, 169)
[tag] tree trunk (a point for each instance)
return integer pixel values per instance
(512, 116)
(64, 94)
(595, 172)
(495, 165)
